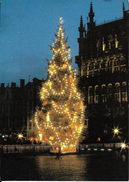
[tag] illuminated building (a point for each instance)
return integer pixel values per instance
(103, 62)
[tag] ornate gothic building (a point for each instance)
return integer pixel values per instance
(103, 66)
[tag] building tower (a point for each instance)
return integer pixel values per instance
(103, 65)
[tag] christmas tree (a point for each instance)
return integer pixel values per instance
(61, 118)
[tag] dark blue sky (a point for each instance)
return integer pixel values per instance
(28, 27)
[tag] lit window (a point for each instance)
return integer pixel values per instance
(103, 93)
(124, 92)
(96, 98)
(117, 92)
(90, 95)
(109, 91)
(116, 65)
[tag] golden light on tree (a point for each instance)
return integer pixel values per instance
(61, 117)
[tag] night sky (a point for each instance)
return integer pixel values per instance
(28, 27)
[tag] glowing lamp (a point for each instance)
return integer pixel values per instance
(44, 103)
(58, 133)
(51, 138)
(41, 131)
(71, 80)
(72, 127)
(20, 136)
(98, 139)
(123, 145)
(31, 138)
(81, 105)
(57, 148)
(45, 138)
(115, 131)
(68, 134)
(64, 66)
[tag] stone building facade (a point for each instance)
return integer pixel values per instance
(17, 105)
(103, 72)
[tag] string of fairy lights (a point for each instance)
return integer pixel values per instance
(59, 71)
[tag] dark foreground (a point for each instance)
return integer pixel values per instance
(88, 167)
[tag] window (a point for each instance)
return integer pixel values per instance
(96, 66)
(124, 92)
(116, 65)
(124, 96)
(109, 91)
(109, 88)
(90, 69)
(103, 93)
(116, 62)
(90, 95)
(103, 89)
(109, 65)
(123, 68)
(103, 65)
(96, 98)
(117, 92)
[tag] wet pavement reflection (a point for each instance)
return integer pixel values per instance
(69, 168)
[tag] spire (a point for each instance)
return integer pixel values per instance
(123, 9)
(81, 28)
(91, 13)
(81, 21)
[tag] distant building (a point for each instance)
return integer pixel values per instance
(17, 104)
(103, 71)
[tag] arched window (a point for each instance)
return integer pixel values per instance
(117, 92)
(103, 93)
(96, 68)
(96, 94)
(109, 91)
(103, 89)
(91, 67)
(116, 65)
(110, 66)
(90, 95)
(124, 91)
(102, 65)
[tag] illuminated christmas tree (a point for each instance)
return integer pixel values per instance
(61, 118)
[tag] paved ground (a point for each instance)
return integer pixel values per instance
(69, 168)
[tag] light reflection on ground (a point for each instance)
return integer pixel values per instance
(68, 168)
(89, 167)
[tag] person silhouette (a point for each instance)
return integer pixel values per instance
(79, 152)
(58, 153)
